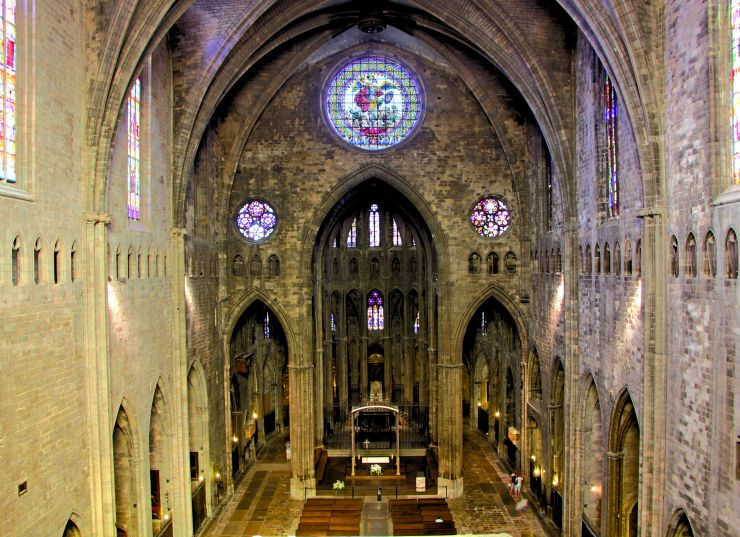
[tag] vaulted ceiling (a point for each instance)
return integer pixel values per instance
(519, 52)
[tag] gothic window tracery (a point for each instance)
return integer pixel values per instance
(373, 103)
(375, 317)
(134, 150)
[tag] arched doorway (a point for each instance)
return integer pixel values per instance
(198, 444)
(491, 349)
(680, 525)
(259, 383)
(124, 476)
(376, 260)
(71, 530)
(160, 464)
(592, 461)
(624, 468)
(557, 440)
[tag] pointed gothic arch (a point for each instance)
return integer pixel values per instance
(623, 468)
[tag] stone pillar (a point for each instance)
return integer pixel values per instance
(655, 344)
(524, 399)
(181, 493)
(450, 429)
(303, 480)
(97, 381)
(571, 490)
(614, 522)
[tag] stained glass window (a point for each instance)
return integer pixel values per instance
(735, 81)
(352, 235)
(373, 103)
(374, 226)
(375, 319)
(8, 66)
(417, 323)
(134, 145)
(256, 220)
(483, 323)
(266, 324)
(396, 235)
(490, 217)
(332, 323)
(610, 146)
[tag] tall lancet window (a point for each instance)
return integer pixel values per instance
(483, 323)
(8, 111)
(397, 241)
(735, 82)
(134, 150)
(352, 235)
(266, 324)
(417, 323)
(375, 319)
(374, 226)
(610, 142)
(332, 323)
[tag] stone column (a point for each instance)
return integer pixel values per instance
(655, 343)
(97, 367)
(524, 398)
(181, 494)
(571, 490)
(303, 480)
(614, 522)
(450, 429)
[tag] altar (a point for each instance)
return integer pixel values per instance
(375, 435)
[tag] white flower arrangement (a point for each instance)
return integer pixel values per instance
(338, 485)
(376, 469)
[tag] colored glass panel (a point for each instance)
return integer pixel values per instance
(735, 83)
(352, 235)
(373, 103)
(374, 226)
(375, 318)
(611, 162)
(490, 217)
(134, 150)
(8, 67)
(417, 323)
(396, 235)
(266, 324)
(256, 220)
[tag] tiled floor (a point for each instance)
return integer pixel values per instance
(261, 504)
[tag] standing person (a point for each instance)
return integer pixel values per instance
(518, 487)
(512, 482)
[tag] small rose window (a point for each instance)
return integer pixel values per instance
(490, 217)
(256, 220)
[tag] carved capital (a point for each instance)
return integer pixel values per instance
(96, 217)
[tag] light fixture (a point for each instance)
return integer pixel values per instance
(533, 458)
(479, 403)
(497, 414)
(234, 439)
(166, 516)
(254, 415)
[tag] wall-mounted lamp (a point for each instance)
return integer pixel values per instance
(254, 415)
(478, 403)
(235, 439)
(497, 414)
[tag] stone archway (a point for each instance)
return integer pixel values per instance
(624, 468)
(592, 459)
(125, 472)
